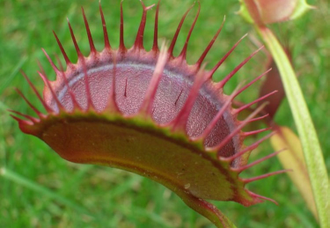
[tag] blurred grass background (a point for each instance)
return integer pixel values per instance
(39, 189)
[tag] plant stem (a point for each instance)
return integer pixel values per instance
(311, 146)
(207, 210)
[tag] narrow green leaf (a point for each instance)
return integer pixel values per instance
(12, 74)
(310, 143)
(12, 176)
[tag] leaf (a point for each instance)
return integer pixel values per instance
(23, 181)
(310, 143)
(300, 9)
(293, 158)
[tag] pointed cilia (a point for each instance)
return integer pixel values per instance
(151, 113)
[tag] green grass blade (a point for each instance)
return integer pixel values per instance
(12, 176)
(9, 79)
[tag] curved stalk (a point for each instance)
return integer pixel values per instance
(207, 210)
(311, 146)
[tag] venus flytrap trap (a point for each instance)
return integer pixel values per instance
(151, 113)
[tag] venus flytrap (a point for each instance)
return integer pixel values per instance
(151, 113)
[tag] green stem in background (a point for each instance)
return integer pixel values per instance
(311, 146)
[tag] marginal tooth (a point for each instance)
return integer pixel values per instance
(242, 168)
(58, 104)
(56, 70)
(155, 42)
(245, 134)
(208, 48)
(219, 114)
(247, 149)
(80, 55)
(29, 103)
(138, 44)
(183, 53)
(253, 102)
(175, 37)
(122, 47)
(146, 107)
(249, 180)
(235, 131)
(213, 70)
(89, 35)
(34, 120)
(261, 197)
(65, 56)
(107, 45)
(47, 108)
(223, 82)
